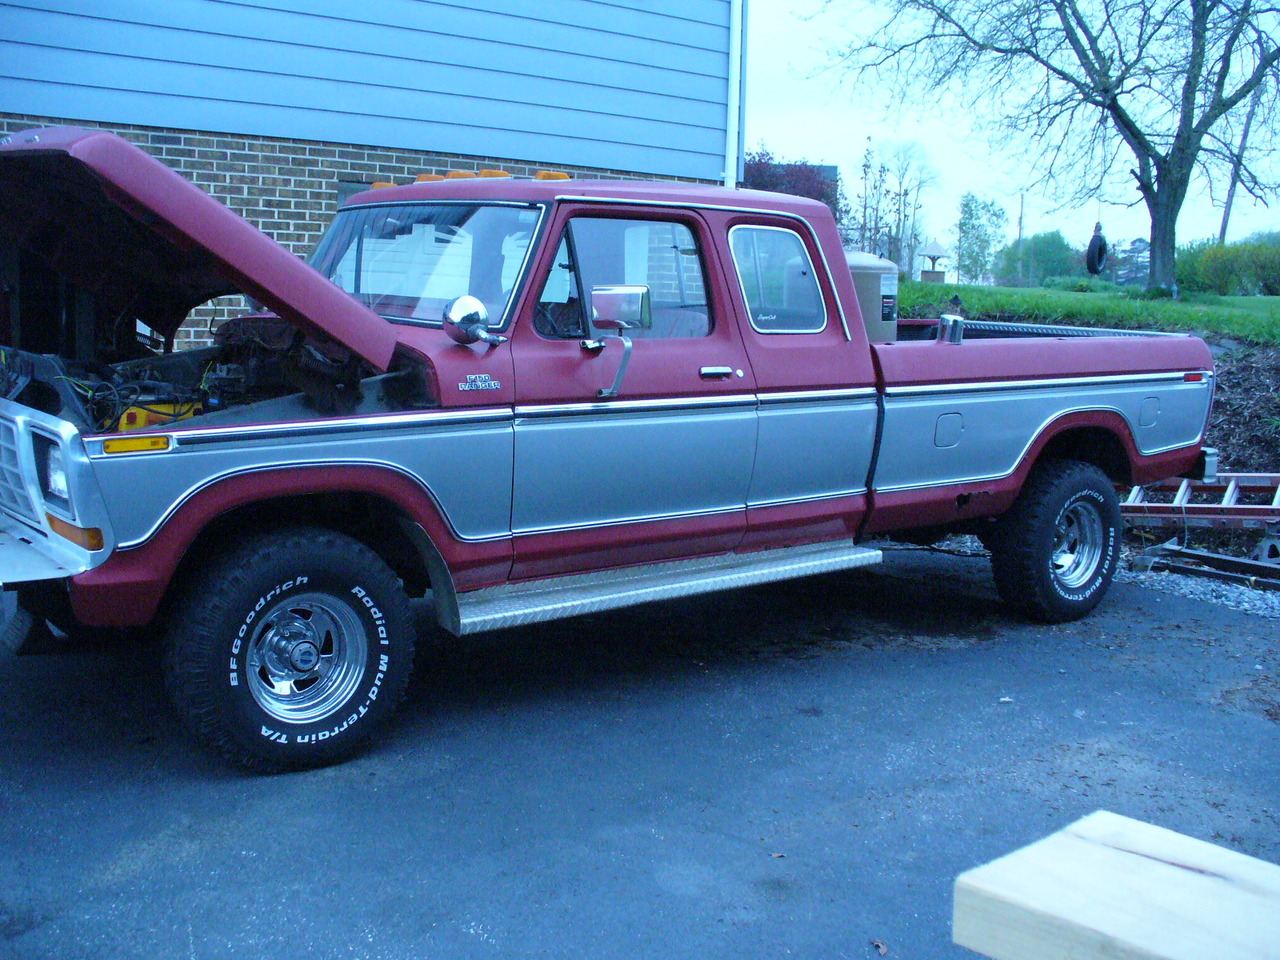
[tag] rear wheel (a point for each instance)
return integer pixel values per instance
(1055, 553)
(290, 649)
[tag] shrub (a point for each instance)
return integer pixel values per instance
(1189, 267)
(1266, 268)
(1237, 269)
(1223, 269)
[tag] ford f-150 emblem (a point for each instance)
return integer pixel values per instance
(480, 381)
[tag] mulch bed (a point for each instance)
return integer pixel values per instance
(1245, 427)
(1245, 423)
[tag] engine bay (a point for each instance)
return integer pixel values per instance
(260, 369)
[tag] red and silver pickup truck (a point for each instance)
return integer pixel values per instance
(531, 398)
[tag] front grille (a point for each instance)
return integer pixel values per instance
(14, 498)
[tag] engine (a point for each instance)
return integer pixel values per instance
(259, 368)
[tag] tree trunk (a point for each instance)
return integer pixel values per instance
(1164, 201)
(1164, 219)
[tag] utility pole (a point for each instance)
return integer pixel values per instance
(1237, 162)
(1022, 275)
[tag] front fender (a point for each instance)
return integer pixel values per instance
(128, 588)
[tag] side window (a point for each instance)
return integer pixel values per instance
(778, 280)
(661, 255)
(559, 314)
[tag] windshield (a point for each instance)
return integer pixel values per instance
(407, 261)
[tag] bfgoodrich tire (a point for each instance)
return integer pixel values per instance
(290, 649)
(1054, 554)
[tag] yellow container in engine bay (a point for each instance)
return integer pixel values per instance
(156, 414)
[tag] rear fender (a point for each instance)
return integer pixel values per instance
(1064, 436)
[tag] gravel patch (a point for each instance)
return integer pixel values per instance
(1263, 603)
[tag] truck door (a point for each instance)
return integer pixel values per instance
(815, 380)
(660, 468)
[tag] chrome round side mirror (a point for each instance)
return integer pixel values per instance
(466, 320)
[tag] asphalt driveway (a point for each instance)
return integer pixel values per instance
(795, 770)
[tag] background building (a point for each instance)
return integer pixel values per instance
(283, 109)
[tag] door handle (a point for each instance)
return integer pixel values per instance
(715, 373)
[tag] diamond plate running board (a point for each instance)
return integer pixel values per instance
(514, 605)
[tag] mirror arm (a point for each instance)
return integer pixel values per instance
(605, 393)
(466, 320)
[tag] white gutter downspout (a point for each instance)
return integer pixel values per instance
(733, 128)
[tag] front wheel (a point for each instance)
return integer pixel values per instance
(1055, 553)
(290, 649)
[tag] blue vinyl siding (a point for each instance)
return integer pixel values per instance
(630, 86)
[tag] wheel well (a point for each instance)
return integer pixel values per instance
(375, 522)
(1096, 445)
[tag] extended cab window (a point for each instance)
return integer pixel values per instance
(660, 255)
(778, 280)
(407, 261)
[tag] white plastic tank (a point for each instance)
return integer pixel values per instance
(875, 280)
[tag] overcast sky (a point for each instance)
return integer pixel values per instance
(801, 110)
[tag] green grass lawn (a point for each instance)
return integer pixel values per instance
(1254, 319)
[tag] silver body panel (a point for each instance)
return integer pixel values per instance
(813, 446)
(462, 462)
(590, 465)
(970, 432)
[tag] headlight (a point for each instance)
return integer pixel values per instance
(52, 471)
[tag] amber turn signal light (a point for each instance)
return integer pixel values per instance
(90, 538)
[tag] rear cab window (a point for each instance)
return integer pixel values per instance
(778, 280)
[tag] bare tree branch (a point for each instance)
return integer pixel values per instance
(1082, 81)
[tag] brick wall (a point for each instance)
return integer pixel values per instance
(288, 188)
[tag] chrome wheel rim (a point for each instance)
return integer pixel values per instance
(1078, 545)
(306, 657)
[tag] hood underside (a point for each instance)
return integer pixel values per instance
(152, 246)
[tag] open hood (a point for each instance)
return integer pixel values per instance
(147, 243)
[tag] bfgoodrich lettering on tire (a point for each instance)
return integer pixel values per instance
(290, 649)
(1054, 554)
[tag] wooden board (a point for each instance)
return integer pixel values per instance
(1111, 888)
